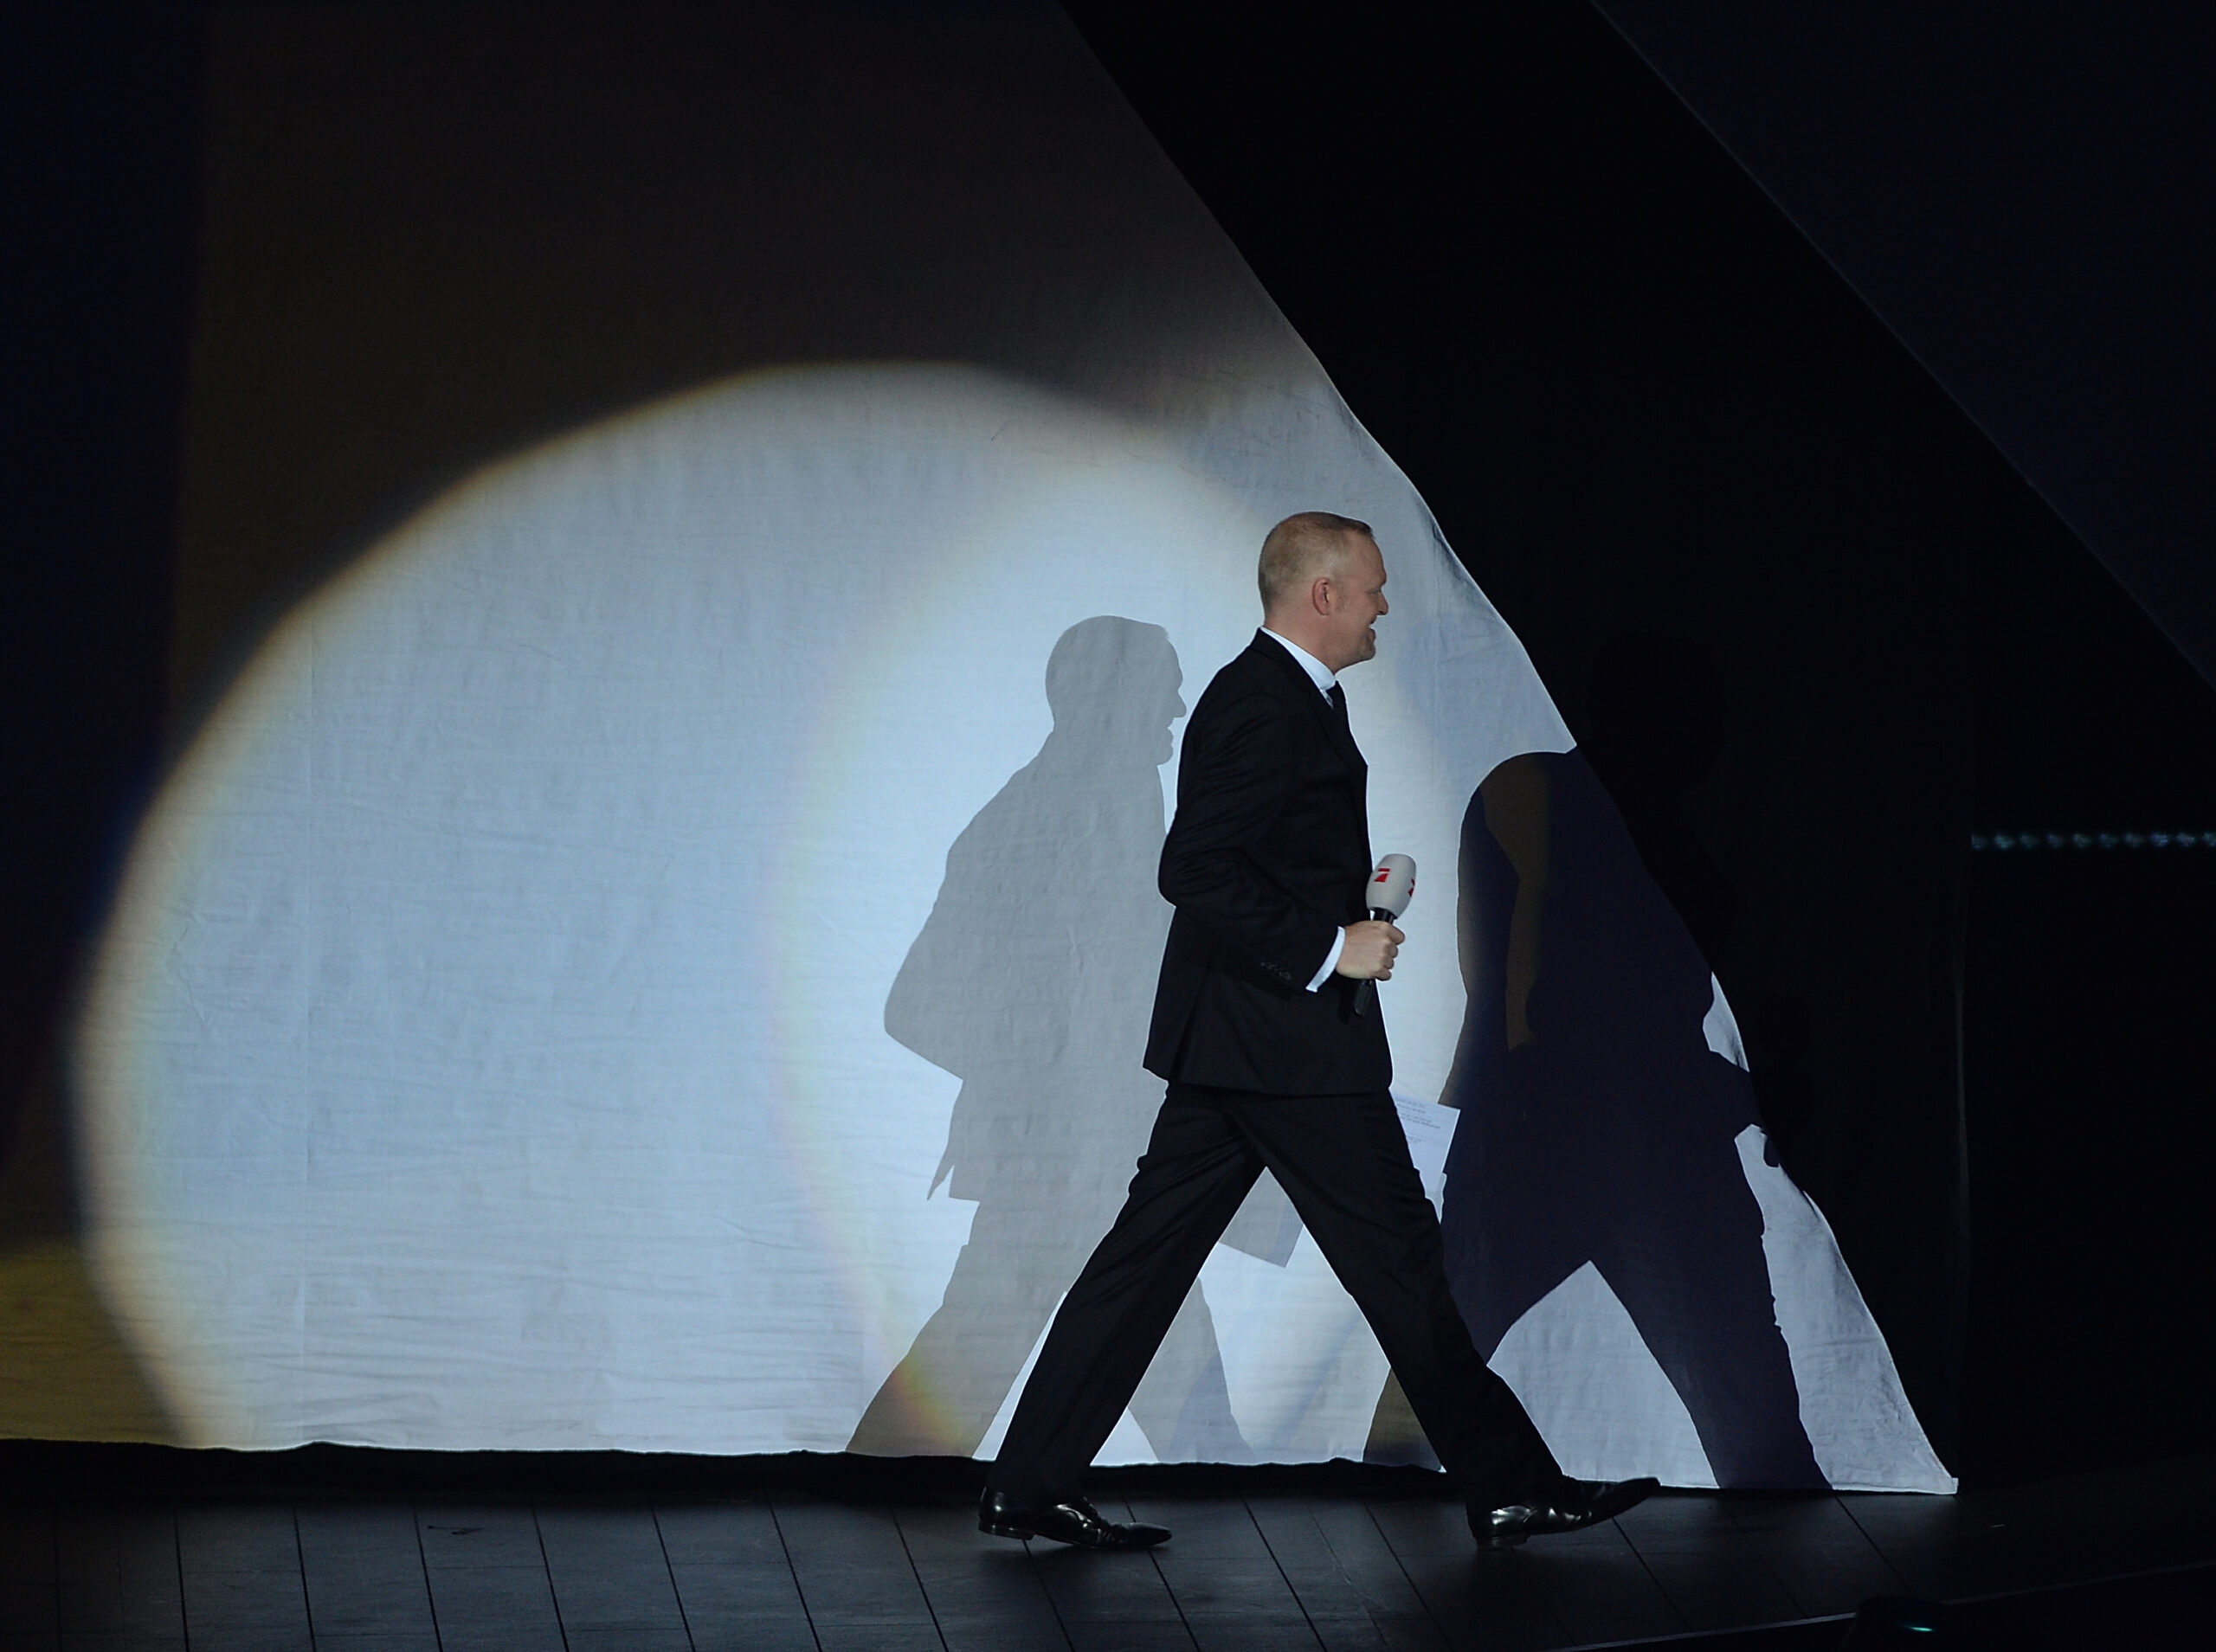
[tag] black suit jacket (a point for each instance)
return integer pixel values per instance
(1267, 857)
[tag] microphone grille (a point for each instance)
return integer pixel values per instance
(1391, 884)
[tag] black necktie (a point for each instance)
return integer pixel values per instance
(1339, 699)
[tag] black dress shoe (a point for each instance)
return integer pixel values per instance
(1571, 1505)
(1072, 1520)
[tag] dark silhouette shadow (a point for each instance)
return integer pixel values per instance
(1032, 982)
(1597, 1125)
(1656, 719)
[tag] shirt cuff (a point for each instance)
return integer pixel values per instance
(1331, 961)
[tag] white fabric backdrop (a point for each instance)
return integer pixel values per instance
(488, 1048)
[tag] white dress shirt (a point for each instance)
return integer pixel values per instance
(1326, 680)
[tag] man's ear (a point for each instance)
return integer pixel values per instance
(1319, 593)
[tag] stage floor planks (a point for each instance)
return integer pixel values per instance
(347, 1573)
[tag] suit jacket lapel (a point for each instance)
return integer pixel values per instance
(1341, 736)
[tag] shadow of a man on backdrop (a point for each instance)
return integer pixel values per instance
(1598, 1125)
(1032, 981)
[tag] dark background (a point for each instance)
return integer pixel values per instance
(1813, 628)
(2018, 190)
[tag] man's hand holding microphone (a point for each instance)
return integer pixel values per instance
(1371, 945)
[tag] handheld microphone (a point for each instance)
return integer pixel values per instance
(1391, 886)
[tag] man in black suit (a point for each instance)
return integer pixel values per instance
(1273, 1059)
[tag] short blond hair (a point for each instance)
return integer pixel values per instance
(1300, 548)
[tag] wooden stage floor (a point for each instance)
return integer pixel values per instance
(348, 1572)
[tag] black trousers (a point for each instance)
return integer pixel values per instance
(1344, 1161)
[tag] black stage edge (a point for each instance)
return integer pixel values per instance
(148, 1547)
(81, 1471)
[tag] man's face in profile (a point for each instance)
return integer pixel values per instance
(1357, 603)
